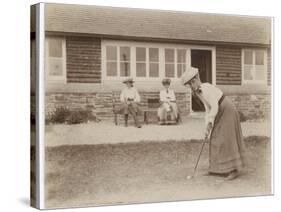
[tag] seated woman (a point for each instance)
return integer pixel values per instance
(130, 99)
(168, 111)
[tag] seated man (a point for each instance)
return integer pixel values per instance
(168, 111)
(130, 99)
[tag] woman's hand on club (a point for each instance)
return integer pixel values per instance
(208, 130)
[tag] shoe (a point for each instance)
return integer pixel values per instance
(209, 174)
(126, 120)
(232, 175)
(215, 174)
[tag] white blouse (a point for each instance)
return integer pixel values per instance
(131, 93)
(210, 97)
(167, 95)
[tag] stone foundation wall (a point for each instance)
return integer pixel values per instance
(101, 103)
(255, 106)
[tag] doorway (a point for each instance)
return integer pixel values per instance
(201, 59)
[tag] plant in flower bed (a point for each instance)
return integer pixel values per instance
(65, 115)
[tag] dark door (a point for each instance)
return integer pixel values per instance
(201, 59)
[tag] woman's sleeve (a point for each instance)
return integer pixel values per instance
(213, 112)
(212, 100)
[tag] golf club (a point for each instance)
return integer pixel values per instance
(198, 159)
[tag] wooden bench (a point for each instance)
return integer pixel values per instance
(145, 120)
(146, 111)
(145, 115)
(151, 106)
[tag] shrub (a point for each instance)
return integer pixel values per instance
(59, 115)
(80, 116)
(242, 117)
(64, 115)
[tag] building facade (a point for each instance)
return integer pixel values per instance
(91, 49)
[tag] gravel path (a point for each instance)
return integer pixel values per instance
(107, 132)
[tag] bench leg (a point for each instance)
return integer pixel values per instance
(179, 118)
(145, 117)
(115, 119)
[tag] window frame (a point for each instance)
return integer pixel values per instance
(49, 77)
(161, 46)
(146, 62)
(253, 81)
(118, 61)
(174, 63)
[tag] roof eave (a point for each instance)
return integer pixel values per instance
(159, 39)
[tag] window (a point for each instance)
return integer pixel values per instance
(145, 61)
(55, 59)
(181, 61)
(111, 60)
(175, 62)
(141, 62)
(170, 63)
(118, 61)
(124, 61)
(254, 66)
(153, 62)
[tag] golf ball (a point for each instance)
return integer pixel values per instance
(188, 177)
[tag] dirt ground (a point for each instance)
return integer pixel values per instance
(105, 174)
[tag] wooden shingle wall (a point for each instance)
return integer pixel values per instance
(269, 66)
(228, 64)
(83, 59)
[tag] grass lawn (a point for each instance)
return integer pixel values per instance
(79, 175)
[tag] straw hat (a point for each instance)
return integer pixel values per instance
(189, 74)
(129, 80)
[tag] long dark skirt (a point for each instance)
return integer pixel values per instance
(227, 148)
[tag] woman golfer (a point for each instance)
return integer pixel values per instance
(226, 147)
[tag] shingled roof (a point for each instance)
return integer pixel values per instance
(146, 23)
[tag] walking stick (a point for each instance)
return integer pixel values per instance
(198, 159)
